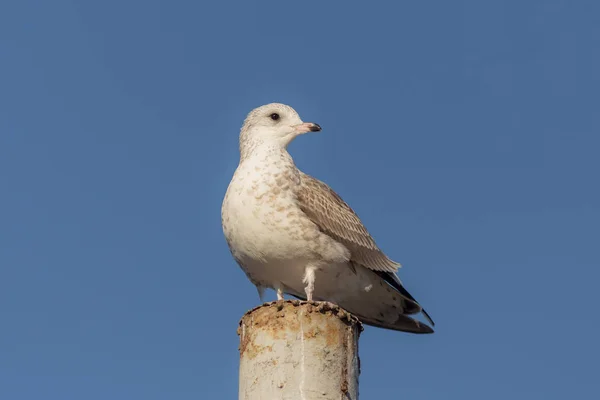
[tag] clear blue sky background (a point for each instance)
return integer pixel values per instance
(464, 133)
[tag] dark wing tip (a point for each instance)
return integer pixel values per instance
(393, 281)
(402, 324)
(427, 316)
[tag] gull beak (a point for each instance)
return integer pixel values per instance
(306, 127)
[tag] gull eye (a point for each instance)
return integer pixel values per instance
(274, 116)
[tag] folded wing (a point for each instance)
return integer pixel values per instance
(336, 218)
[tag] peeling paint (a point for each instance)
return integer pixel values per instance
(299, 350)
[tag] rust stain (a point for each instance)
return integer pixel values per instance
(311, 333)
(278, 317)
(332, 334)
(252, 350)
(344, 385)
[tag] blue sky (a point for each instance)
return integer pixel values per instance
(464, 134)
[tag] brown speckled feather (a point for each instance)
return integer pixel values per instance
(334, 217)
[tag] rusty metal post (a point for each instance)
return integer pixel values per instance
(295, 350)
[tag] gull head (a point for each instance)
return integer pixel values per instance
(275, 124)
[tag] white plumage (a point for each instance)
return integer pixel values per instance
(290, 232)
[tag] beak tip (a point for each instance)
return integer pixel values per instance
(315, 127)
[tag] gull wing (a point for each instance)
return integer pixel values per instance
(334, 217)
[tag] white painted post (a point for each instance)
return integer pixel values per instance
(295, 350)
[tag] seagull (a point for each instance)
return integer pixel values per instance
(292, 233)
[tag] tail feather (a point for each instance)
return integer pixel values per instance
(383, 304)
(404, 323)
(394, 281)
